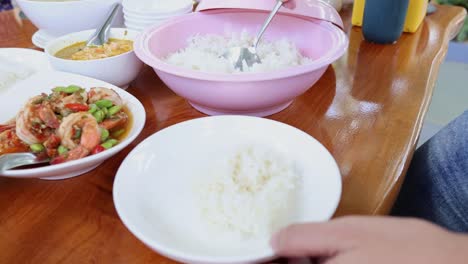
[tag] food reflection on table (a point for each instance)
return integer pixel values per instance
(79, 51)
(67, 124)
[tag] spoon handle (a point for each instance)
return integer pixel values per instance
(275, 10)
(9, 161)
(103, 31)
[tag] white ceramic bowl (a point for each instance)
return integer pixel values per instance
(148, 19)
(150, 7)
(59, 18)
(139, 27)
(154, 187)
(119, 70)
(136, 28)
(142, 25)
(14, 99)
(157, 15)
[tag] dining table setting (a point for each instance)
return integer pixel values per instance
(330, 132)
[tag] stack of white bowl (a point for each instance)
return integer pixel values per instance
(140, 14)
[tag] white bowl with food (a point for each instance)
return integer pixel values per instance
(214, 189)
(61, 17)
(74, 121)
(115, 62)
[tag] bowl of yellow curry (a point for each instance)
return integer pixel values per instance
(114, 62)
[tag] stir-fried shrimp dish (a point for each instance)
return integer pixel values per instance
(68, 124)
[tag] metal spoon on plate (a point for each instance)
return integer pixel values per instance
(238, 55)
(14, 160)
(101, 35)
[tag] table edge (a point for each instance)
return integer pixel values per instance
(454, 27)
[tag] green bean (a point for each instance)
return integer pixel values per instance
(104, 134)
(59, 89)
(104, 103)
(72, 89)
(115, 109)
(92, 108)
(109, 143)
(118, 133)
(69, 89)
(77, 134)
(62, 150)
(105, 111)
(99, 115)
(36, 148)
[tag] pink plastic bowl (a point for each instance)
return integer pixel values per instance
(256, 94)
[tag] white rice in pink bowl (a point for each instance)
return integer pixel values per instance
(205, 53)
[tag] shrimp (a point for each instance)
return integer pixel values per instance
(36, 121)
(98, 93)
(60, 99)
(116, 121)
(10, 143)
(79, 144)
(6, 127)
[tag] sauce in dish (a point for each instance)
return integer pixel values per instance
(79, 51)
(68, 124)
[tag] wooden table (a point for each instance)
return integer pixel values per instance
(367, 109)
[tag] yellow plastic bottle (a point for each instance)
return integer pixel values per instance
(415, 16)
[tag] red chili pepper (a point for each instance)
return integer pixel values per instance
(77, 107)
(98, 149)
(57, 160)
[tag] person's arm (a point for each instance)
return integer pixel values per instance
(383, 240)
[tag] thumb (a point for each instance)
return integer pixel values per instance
(312, 240)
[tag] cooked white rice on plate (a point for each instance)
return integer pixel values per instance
(12, 72)
(250, 196)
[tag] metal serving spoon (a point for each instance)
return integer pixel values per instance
(237, 55)
(10, 161)
(101, 35)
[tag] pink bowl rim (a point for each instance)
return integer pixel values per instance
(141, 47)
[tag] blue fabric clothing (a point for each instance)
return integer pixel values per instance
(5, 5)
(436, 185)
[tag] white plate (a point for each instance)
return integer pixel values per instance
(17, 64)
(14, 99)
(154, 195)
(27, 57)
(41, 38)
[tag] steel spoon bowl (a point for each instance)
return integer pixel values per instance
(14, 160)
(248, 55)
(101, 35)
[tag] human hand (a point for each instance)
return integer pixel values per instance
(383, 240)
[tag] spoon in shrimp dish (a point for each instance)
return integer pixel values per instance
(68, 124)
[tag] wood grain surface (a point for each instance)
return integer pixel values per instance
(367, 109)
